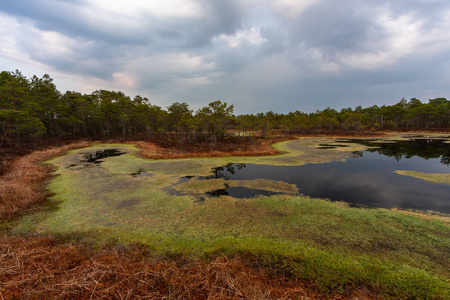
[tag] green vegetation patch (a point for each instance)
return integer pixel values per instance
(268, 185)
(196, 185)
(431, 177)
(332, 244)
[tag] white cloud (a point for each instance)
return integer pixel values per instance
(124, 79)
(8, 42)
(400, 36)
(250, 35)
(321, 63)
(52, 43)
(173, 63)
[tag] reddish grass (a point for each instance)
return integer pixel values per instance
(41, 268)
(229, 147)
(21, 184)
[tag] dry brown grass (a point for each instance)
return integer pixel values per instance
(153, 151)
(20, 185)
(41, 268)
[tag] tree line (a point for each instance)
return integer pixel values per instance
(33, 108)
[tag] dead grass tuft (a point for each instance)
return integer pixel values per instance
(21, 184)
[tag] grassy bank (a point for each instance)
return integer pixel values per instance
(337, 247)
(21, 186)
(431, 177)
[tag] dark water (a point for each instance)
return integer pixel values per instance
(240, 192)
(424, 148)
(95, 157)
(367, 180)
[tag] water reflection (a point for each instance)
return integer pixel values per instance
(227, 169)
(424, 148)
(367, 180)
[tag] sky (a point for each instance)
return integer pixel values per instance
(266, 55)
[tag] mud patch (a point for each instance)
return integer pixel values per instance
(142, 173)
(128, 203)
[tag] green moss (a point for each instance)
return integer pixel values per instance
(431, 177)
(267, 185)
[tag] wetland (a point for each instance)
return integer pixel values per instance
(202, 207)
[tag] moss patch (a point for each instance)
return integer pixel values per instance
(431, 177)
(195, 185)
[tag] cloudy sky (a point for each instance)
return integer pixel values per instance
(280, 55)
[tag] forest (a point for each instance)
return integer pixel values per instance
(32, 109)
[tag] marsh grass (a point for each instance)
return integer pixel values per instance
(20, 185)
(338, 248)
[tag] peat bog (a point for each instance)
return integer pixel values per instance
(172, 208)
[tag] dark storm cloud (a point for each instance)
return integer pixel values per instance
(61, 16)
(331, 25)
(275, 40)
(155, 34)
(263, 55)
(354, 26)
(69, 17)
